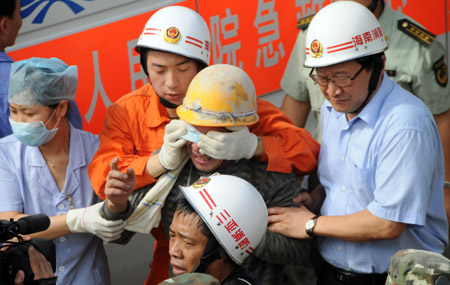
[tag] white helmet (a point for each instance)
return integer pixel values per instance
(178, 30)
(233, 210)
(340, 32)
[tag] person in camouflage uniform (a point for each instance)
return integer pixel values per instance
(418, 267)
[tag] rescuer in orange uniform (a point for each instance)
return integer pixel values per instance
(174, 46)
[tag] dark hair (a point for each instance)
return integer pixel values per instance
(213, 249)
(185, 209)
(143, 60)
(53, 107)
(7, 8)
(374, 61)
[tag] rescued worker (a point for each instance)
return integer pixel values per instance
(198, 243)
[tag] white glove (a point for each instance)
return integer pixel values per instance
(88, 220)
(172, 150)
(229, 146)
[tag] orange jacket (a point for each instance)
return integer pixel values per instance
(134, 128)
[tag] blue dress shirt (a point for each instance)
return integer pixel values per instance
(388, 159)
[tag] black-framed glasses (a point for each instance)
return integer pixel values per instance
(338, 80)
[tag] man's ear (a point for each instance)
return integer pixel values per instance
(3, 25)
(383, 58)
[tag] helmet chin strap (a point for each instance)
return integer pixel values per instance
(166, 103)
(373, 6)
(163, 101)
(373, 82)
(212, 253)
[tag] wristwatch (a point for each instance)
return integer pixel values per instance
(309, 226)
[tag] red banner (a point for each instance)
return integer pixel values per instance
(257, 36)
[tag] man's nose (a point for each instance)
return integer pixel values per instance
(195, 148)
(174, 249)
(172, 80)
(333, 90)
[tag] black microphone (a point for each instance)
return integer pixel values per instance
(30, 224)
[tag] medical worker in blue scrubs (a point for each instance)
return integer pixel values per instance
(43, 169)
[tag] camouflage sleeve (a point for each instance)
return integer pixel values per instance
(412, 266)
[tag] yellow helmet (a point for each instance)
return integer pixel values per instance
(220, 95)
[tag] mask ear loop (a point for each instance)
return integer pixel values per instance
(57, 122)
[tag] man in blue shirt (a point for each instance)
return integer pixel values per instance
(10, 23)
(381, 163)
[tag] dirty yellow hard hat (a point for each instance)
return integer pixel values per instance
(220, 95)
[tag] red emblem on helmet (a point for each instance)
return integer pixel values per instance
(316, 48)
(201, 182)
(172, 35)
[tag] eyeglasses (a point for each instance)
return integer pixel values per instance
(339, 80)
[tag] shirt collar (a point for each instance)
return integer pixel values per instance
(76, 148)
(371, 111)
(5, 58)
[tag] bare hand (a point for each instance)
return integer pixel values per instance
(14, 240)
(312, 200)
(304, 198)
(119, 187)
(41, 268)
(289, 221)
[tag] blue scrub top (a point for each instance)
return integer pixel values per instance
(27, 186)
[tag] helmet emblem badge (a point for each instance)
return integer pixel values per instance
(201, 183)
(172, 35)
(316, 49)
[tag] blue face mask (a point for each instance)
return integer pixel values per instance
(192, 134)
(34, 133)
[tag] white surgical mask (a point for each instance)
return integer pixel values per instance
(34, 133)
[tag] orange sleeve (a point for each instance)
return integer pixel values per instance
(287, 148)
(116, 140)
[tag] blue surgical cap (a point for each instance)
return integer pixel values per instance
(42, 81)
